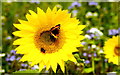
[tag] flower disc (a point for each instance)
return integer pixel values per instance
(48, 38)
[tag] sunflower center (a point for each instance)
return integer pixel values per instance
(48, 40)
(117, 50)
(49, 37)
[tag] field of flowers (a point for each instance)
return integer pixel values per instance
(101, 20)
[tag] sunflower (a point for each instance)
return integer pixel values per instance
(48, 38)
(112, 49)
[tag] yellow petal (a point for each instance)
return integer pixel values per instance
(54, 9)
(33, 19)
(41, 17)
(48, 65)
(23, 41)
(71, 57)
(53, 63)
(61, 63)
(81, 27)
(41, 66)
(23, 33)
(24, 27)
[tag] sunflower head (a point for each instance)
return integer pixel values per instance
(48, 39)
(112, 49)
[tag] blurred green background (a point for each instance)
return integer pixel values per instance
(101, 17)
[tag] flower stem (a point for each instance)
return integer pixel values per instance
(93, 65)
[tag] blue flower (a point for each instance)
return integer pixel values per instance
(8, 38)
(106, 60)
(89, 47)
(113, 32)
(3, 23)
(13, 51)
(87, 61)
(75, 11)
(70, 7)
(76, 4)
(93, 3)
(18, 58)
(46, 71)
(95, 54)
(118, 30)
(24, 65)
(7, 59)
(84, 54)
(8, 55)
(88, 31)
(33, 68)
(83, 43)
(35, 1)
(92, 35)
(12, 58)
(22, 69)
(89, 55)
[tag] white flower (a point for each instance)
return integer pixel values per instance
(112, 0)
(89, 14)
(9, 1)
(2, 17)
(95, 30)
(36, 66)
(75, 13)
(97, 48)
(111, 73)
(58, 6)
(95, 14)
(101, 51)
(1, 71)
(88, 36)
(93, 46)
(3, 54)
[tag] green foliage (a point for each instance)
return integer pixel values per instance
(27, 71)
(30, 72)
(88, 70)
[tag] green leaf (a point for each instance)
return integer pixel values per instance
(76, 55)
(32, 72)
(96, 59)
(88, 70)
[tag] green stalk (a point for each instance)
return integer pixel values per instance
(93, 65)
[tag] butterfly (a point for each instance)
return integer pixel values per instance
(50, 36)
(55, 31)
